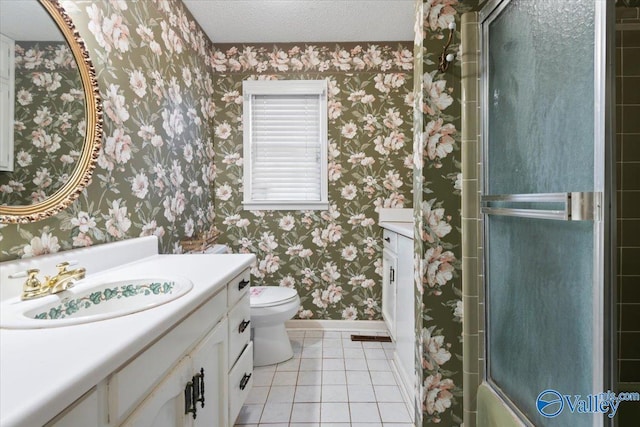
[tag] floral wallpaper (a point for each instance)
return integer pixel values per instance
(438, 217)
(332, 258)
(165, 111)
(49, 122)
(155, 171)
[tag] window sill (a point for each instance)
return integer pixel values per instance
(285, 206)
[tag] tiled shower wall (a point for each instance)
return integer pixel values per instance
(628, 185)
(628, 177)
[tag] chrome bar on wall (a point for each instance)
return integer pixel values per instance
(576, 206)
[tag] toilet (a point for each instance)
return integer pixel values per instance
(271, 306)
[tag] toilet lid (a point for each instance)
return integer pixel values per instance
(265, 296)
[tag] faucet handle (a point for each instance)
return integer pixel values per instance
(63, 265)
(21, 274)
(32, 283)
(32, 287)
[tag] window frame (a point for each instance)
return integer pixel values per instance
(284, 87)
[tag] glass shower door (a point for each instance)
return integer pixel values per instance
(545, 198)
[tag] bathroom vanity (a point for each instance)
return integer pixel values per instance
(398, 298)
(186, 362)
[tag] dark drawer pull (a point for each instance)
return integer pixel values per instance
(388, 239)
(244, 381)
(243, 325)
(189, 400)
(243, 284)
(199, 380)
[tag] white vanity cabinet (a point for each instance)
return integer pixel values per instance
(389, 282)
(199, 373)
(398, 301)
(82, 413)
(240, 346)
(193, 393)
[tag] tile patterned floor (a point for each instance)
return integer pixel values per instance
(330, 382)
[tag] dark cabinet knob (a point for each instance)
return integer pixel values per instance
(243, 284)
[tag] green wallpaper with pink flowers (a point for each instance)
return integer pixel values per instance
(171, 165)
(332, 258)
(49, 122)
(438, 178)
(155, 171)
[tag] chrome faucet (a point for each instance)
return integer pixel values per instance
(35, 288)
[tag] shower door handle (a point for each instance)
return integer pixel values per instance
(574, 206)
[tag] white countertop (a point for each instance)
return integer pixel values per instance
(43, 371)
(402, 228)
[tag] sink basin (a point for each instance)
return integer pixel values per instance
(93, 301)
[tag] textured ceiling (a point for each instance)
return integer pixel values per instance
(259, 21)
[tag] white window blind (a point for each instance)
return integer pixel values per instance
(285, 145)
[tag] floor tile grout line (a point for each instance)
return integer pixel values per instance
(321, 357)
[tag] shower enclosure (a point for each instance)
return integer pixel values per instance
(547, 186)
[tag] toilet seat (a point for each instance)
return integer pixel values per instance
(270, 296)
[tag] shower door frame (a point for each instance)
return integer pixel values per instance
(604, 242)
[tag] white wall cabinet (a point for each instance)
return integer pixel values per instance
(189, 377)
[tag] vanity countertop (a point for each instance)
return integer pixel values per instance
(43, 371)
(401, 227)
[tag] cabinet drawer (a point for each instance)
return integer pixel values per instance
(240, 382)
(129, 385)
(238, 287)
(390, 240)
(239, 328)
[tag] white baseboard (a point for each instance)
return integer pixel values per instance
(404, 381)
(338, 325)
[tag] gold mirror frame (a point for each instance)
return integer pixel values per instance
(83, 171)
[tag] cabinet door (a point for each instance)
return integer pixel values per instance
(209, 359)
(389, 272)
(82, 413)
(165, 406)
(405, 317)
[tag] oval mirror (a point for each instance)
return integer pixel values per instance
(51, 114)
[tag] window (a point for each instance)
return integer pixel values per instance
(285, 144)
